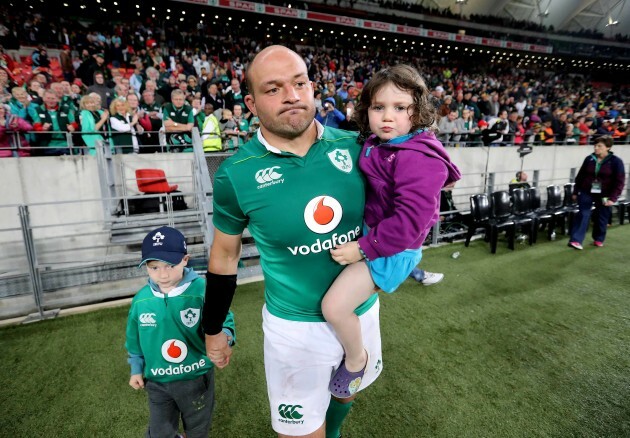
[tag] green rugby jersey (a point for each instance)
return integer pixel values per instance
(297, 209)
(183, 114)
(167, 332)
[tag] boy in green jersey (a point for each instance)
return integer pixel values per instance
(165, 340)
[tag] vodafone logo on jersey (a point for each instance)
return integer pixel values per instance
(322, 214)
(174, 351)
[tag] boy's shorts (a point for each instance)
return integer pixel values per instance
(300, 359)
(390, 272)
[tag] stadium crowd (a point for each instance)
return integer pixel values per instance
(126, 83)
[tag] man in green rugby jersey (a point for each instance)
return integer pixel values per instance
(296, 186)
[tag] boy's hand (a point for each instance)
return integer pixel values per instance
(136, 381)
(347, 253)
(218, 350)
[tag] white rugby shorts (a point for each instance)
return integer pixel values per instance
(300, 359)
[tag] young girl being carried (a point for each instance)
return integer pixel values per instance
(405, 168)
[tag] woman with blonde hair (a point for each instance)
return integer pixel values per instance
(123, 126)
(93, 120)
(193, 85)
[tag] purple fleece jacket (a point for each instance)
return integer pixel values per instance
(402, 200)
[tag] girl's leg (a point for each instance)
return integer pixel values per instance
(351, 288)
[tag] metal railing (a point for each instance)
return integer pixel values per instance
(81, 251)
(72, 247)
(91, 254)
(72, 145)
(507, 140)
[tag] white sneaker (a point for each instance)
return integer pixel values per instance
(431, 278)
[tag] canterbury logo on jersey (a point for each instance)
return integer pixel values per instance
(268, 177)
(147, 320)
(290, 414)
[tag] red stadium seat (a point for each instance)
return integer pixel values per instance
(153, 181)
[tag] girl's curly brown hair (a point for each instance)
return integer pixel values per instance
(422, 112)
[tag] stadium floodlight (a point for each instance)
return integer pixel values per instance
(611, 22)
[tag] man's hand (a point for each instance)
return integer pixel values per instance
(609, 203)
(46, 126)
(70, 128)
(347, 253)
(136, 381)
(218, 350)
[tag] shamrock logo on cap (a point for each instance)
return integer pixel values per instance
(158, 236)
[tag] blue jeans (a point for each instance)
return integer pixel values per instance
(601, 216)
(417, 274)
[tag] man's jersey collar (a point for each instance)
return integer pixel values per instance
(275, 150)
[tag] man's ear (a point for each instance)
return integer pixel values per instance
(251, 104)
(185, 259)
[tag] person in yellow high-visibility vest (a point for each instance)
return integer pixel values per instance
(211, 132)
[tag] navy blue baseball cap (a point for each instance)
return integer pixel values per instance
(165, 244)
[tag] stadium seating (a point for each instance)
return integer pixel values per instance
(555, 207)
(501, 213)
(492, 218)
(542, 217)
(521, 213)
(152, 181)
(623, 207)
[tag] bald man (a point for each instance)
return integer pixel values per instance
(296, 185)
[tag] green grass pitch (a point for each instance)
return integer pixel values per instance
(529, 343)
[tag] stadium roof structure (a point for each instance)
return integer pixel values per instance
(610, 17)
